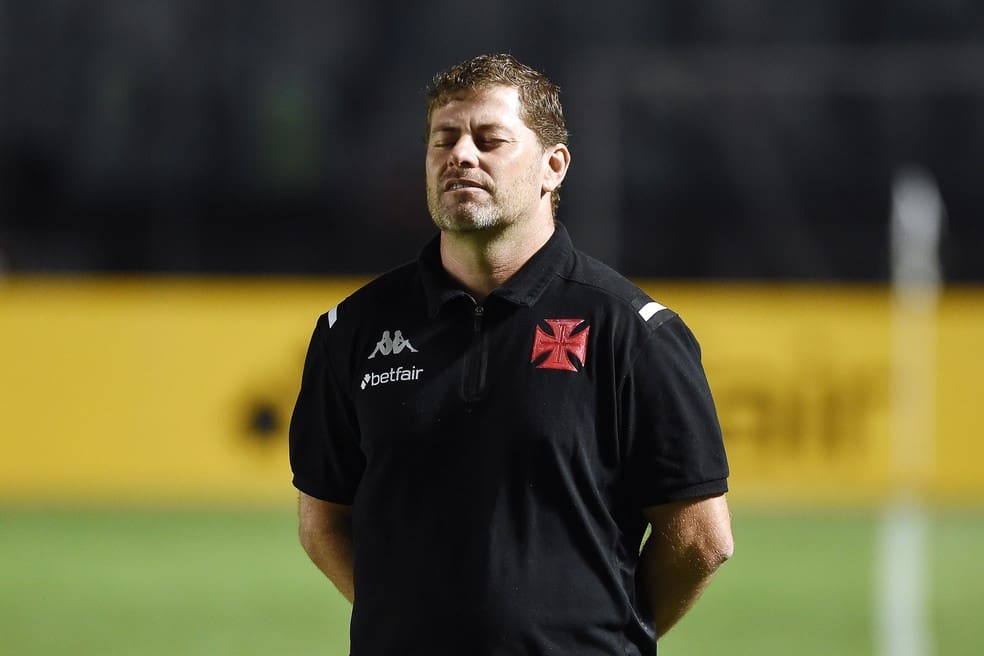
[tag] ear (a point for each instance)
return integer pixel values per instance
(556, 160)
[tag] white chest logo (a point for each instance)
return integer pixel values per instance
(392, 345)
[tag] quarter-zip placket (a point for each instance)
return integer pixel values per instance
(477, 358)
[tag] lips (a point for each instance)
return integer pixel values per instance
(456, 184)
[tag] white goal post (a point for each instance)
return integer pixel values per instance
(902, 585)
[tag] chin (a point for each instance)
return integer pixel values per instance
(465, 222)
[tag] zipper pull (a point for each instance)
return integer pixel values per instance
(478, 313)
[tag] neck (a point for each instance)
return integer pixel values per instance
(484, 260)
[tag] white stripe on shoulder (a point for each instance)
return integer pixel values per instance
(332, 316)
(649, 309)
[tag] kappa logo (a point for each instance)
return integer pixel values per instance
(391, 345)
(394, 375)
(563, 347)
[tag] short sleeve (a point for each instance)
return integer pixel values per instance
(325, 457)
(673, 444)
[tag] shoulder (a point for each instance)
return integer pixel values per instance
(384, 294)
(390, 287)
(619, 295)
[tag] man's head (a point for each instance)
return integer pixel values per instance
(539, 97)
(538, 107)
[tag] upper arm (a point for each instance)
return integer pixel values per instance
(317, 517)
(326, 535)
(324, 451)
(674, 450)
(702, 524)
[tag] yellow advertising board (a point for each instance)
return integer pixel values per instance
(174, 390)
(151, 390)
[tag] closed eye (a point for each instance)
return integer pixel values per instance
(489, 144)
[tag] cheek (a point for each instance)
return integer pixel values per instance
(532, 174)
(432, 172)
(521, 170)
(434, 160)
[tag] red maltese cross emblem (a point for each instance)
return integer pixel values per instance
(563, 346)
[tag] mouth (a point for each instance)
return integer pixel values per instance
(457, 184)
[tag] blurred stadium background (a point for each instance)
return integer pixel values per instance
(185, 186)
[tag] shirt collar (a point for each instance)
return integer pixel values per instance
(524, 288)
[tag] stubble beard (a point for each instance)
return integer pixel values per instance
(492, 212)
(470, 216)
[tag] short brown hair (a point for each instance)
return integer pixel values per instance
(539, 98)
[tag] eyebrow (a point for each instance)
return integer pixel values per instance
(484, 127)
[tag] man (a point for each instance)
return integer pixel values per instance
(484, 487)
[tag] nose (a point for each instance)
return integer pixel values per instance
(464, 154)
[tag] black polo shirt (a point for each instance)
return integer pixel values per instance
(498, 455)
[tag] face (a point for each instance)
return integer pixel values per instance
(485, 167)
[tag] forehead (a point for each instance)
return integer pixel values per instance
(497, 104)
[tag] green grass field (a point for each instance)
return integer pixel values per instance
(153, 582)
